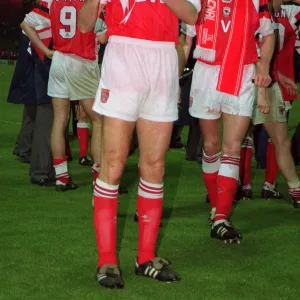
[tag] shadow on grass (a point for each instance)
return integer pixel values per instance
(171, 187)
(128, 181)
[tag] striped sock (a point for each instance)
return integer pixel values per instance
(149, 205)
(61, 170)
(83, 138)
(227, 184)
(210, 167)
(105, 221)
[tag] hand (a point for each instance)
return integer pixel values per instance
(263, 103)
(288, 84)
(49, 53)
(262, 79)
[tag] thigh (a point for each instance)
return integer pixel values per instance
(124, 81)
(210, 128)
(117, 135)
(205, 101)
(82, 78)
(234, 131)
(162, 65)
(57, 85)
(210, 131)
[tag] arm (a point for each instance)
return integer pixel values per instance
(262, 77)
(181, 54)
(287, 83)
(38, 18)
(88, 15)
(186, 42)
(184, 10)
(187, 46)
(263, 103)
(35, 39)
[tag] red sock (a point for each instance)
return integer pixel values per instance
(105, 221)
(68, 149)
(246, 179)
(271, 167)
(83, 138)
(227, 184)
(96, 171)
(61, 170)
(210, 166)
(149, 205)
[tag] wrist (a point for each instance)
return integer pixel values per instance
(263, 68)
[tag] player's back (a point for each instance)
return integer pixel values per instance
(141, 19)
(67, 38)
(285, 23)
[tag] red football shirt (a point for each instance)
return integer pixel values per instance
(62, 16)
(260, 22)
(141, 19)
(285, 22)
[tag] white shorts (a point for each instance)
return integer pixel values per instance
(73, 77)
(207, 103)
(139, 79)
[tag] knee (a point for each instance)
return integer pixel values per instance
(152, 169)
(232, 148)
(112, 167)
(211, 145)
(96, 119)
(61, 120)
(283, 143)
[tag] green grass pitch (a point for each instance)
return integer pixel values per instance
(47, 243)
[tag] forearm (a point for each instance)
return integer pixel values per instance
(88, 15)
(181, 55)
(34, 37)
(266, 53)
(184, 10)
(187, 46)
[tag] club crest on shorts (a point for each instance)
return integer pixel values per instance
(226, 11)
(191, 100)
(104, 95)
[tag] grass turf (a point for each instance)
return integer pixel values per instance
(47, 243)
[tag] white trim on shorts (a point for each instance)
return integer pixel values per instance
(140, 42)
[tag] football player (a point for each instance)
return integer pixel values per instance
(282, 91)
(142, 37)
(74, 75)
(223, 87)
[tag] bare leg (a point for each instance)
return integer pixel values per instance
(60, 122)
(278, 133)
